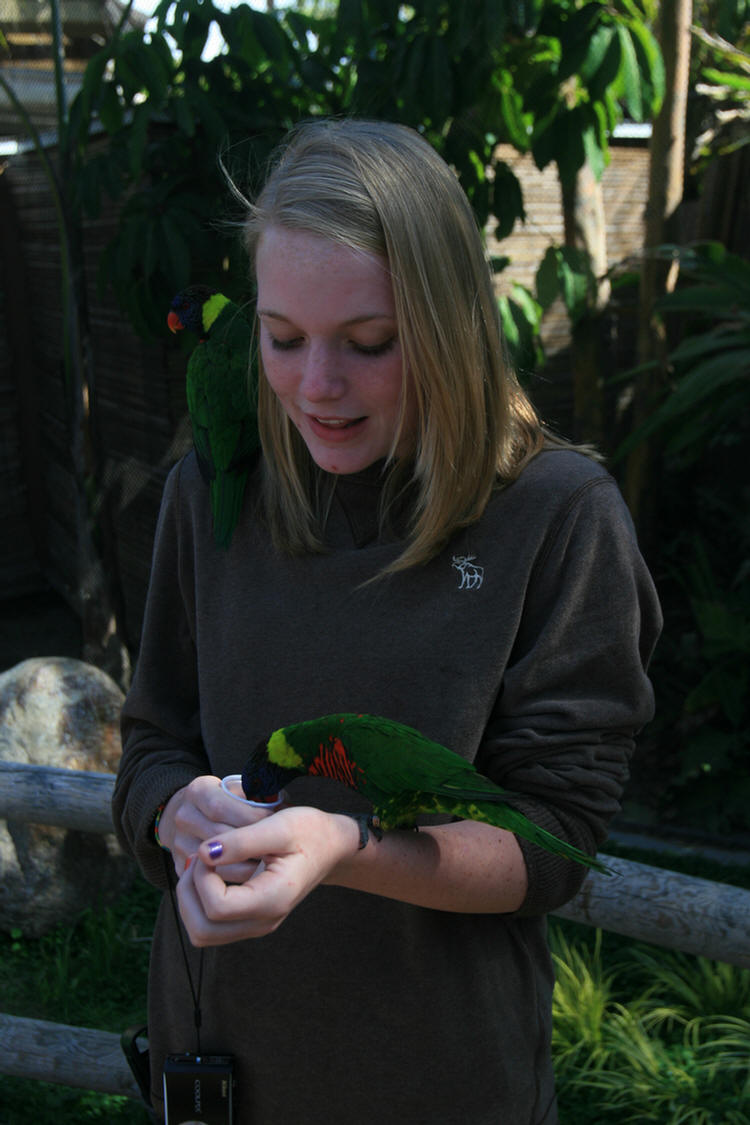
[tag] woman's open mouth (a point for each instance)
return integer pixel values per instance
(335, 428)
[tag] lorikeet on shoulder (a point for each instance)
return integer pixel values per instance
(400, 771)
(221, 389)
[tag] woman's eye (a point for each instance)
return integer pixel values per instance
(375, 349)
(284, 345)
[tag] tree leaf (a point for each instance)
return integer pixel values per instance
(547, 278)
(630, 74)
(596, 156)
(707, 378)
(146, 66)
(695, 391)
(137, 137)
(596, 53)
(531, 307)
(93, 79)
(722, 78)
(575, 32)
(606, 74)
(110, 110)
(544, 141)
(603, 128)
(520, 317)
(707, 343)
(575, 284)
(506, 199)
(511, 103)
(650, 65)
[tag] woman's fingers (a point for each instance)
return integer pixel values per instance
(202, 810)
(298, 847)
(217, 913)
(323, 838)
(220, 807)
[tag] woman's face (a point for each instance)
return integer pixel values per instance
(330, 347)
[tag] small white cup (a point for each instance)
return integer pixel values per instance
(232, 786)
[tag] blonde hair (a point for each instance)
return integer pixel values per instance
(381, 188)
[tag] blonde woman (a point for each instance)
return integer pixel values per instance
(413, 545)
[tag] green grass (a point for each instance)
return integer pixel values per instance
(41, 1103)
(92, 974)
(641, 1034)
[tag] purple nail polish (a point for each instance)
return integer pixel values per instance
(215, 849)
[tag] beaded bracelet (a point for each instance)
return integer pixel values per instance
(157, 818)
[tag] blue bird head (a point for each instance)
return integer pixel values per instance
(186, 310)
(263, 780)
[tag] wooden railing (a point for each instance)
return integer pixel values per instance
(70, 1056)
(646, 903)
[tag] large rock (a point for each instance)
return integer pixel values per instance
(58, 712)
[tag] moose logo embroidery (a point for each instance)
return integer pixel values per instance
(472, 576)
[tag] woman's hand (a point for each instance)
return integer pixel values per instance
(299, 848)
(200, 811)
(464, 867)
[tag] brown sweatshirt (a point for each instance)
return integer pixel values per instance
(522, 646)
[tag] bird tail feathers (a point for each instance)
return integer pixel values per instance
(503, 815)
(227, 492)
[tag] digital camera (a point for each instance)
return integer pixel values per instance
(199, 1089)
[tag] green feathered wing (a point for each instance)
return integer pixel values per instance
(222, 401)
(404, 774)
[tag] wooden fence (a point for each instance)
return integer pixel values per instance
(646, 903)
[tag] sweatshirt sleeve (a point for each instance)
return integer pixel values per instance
(576, 691)
(162, 748)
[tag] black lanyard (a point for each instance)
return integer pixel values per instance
(195, 990)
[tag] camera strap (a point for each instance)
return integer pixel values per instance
(195, 987)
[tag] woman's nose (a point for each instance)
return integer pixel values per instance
(321, 375)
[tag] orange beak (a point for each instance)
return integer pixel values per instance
(174, 322)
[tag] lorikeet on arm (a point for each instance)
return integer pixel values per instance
(221, 396)
(400, 771)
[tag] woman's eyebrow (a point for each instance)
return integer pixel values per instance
(360, 319)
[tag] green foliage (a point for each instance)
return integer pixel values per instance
(24, 1101)
(584, 66)
(710, 386)
(693, 765)
(693, 1077)
(642, 1034)
(87, 974)
(91, 974)
(693, 986)
(639, 1033)
(167, 115)
(521, 317)
(702, 668)
(549, 76)
(583, 997)
(722, 67)
(706, 706)
(563, 90)
(566, 272)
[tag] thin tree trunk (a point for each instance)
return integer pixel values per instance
(585, 229)
(666, 181)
